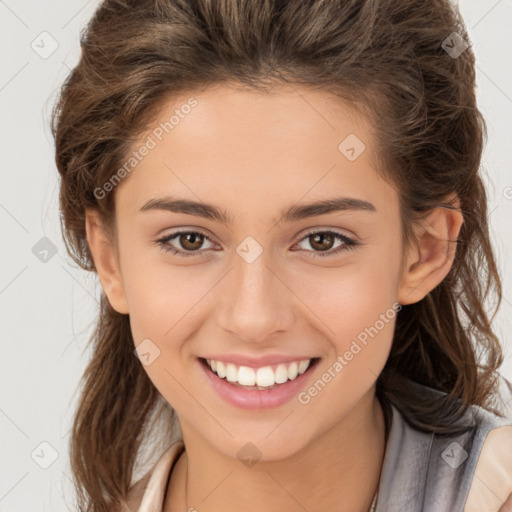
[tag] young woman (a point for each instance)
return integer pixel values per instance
(283, 205)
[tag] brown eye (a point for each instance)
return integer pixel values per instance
(191, 241)
(322, 241)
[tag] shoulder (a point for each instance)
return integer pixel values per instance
(491, 487)
(457, 472)
(485, 479)
(477, 462)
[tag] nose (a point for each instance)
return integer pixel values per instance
(255, 303)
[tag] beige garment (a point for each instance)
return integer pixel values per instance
(148, 494)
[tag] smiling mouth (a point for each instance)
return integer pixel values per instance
(263, 378)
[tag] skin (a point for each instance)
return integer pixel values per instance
(253, 155)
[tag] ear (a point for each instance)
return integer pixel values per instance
(430, 262)
(106, 261)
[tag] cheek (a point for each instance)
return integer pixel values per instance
(163, 303)
(158, 294)
(356, 306)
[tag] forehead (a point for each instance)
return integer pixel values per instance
(288, 116)
(239, 145)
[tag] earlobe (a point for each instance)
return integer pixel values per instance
(432, 260)
(105, 261)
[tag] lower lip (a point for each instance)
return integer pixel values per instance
(256, 398)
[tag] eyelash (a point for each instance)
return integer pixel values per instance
(349, 244)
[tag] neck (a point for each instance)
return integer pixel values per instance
(338, 471)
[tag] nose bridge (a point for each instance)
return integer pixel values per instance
(255, 303)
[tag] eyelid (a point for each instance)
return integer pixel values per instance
(328, 229)
(163, 241)
(350, 242)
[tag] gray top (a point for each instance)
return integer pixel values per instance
(429, 472)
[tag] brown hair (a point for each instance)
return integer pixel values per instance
(386, 58)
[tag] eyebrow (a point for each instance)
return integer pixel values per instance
(292, 214)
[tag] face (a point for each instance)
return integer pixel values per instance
(262, 287)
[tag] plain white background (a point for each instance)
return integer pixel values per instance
(48, 308)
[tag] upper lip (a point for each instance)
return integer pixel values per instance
(257, 362)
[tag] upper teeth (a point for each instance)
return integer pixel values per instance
(262, 377)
